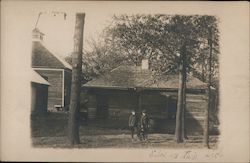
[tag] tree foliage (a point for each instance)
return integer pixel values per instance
(129, 38)
(161, 39)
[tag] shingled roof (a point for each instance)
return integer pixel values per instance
(36, 78)
(127, 77)
(43, 58)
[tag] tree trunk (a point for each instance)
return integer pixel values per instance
(184, 132)
(181, 96)
(206, 120)
(184, 74)
(178, 127)
(76, 81)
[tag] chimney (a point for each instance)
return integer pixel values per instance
(144, 64)
(37, 35)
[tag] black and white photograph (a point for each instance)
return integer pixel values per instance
(148, 80)
(127, 76)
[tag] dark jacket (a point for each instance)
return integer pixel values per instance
(144, 122)
(132, 122)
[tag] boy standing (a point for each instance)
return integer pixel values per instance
(144, 122)
(132, 123)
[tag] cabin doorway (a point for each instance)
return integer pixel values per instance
(172, 108)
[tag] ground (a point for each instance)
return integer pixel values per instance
(50, 130)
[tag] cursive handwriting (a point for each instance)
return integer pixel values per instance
(187, 155)
(213, 155)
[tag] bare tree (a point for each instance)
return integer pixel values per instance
(180, 117)
(76, 81)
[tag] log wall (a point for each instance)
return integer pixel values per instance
(159, 107)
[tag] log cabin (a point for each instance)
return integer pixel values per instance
(115, 94)
(53, 69)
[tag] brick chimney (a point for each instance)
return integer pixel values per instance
(37, 35)
(144, 64)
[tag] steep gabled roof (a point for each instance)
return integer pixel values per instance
(125, 77)
(43, 58)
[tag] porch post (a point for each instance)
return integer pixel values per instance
(139, 102)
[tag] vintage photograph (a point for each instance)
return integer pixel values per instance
(145, 80)
(124, 81)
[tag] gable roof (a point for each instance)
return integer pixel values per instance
(36, 78)
(126, 77)
(43, 58)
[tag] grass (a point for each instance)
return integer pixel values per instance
(50, 130)
(122, 141)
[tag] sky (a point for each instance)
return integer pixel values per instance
(59, 32)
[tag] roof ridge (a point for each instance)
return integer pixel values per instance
(121, 65)
(128, 76)
(115, 68)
